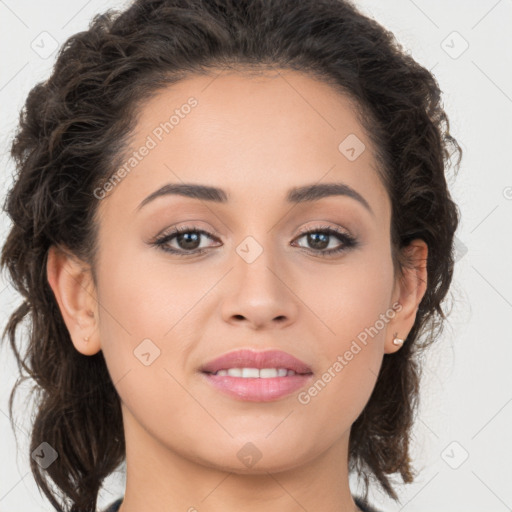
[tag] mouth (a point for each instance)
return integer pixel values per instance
(257, 376)
(255, 373)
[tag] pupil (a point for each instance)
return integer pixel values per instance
(314, 237)
(187, 237)
(190, 240)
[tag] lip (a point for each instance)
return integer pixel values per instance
(257, 389)
(256, 359)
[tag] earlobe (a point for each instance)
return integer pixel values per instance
(409, 291)
(71, 282)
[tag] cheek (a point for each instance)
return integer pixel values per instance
(147, 316)
(351, 353)
(141, 295)
(141, 315)
(352, 297)
(131, 309)
(356, 311)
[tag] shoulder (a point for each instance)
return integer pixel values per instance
(114, 507)
(364, 505)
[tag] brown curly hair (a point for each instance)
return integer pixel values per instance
(70, 139)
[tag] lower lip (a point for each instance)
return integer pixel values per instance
(257, 389)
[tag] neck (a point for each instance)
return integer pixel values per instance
(158, 478)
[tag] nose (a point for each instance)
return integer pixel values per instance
(259, 293)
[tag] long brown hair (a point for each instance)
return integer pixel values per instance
(70, 139)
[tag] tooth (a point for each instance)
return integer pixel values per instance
(250, 372)
(266, 373)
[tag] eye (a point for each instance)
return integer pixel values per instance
(320, 238)
(188, 241)
(187, 238)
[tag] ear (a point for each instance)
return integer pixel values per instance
(73, 287)
(408, 291)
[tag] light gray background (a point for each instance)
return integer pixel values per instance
(466, 408)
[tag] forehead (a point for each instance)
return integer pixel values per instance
(257, 133)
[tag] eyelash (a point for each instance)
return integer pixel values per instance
(348, 241)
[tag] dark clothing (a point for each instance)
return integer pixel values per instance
(365, 507)
(114, 507)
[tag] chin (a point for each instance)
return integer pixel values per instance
(242, 456)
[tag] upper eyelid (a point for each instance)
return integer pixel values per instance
(336, 231)
(213, 232)
(346, 240)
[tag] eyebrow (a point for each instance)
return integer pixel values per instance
(296, 195)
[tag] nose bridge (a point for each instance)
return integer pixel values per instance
(257, 291)
(256, 262)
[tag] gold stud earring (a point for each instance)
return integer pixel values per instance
(397, 341)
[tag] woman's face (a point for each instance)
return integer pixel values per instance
(260, 283)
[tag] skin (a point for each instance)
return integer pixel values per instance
(255, 137)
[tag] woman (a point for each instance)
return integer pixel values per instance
(233, 235)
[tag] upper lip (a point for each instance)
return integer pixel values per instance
(247, 358)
